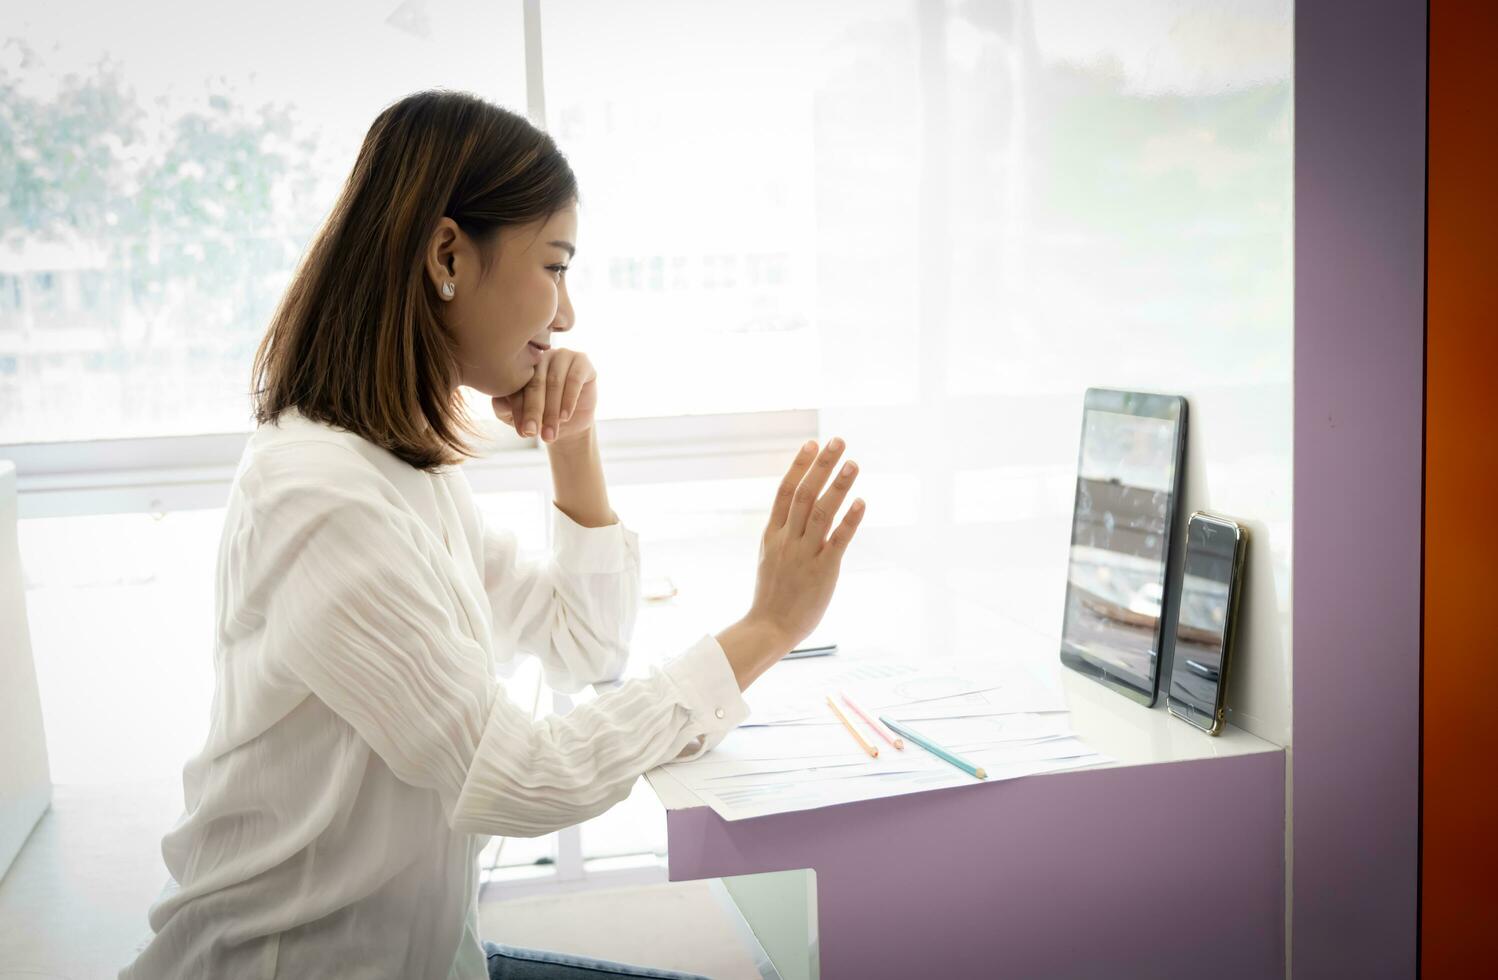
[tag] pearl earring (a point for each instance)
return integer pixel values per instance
(447, 290)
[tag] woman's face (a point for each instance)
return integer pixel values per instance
(523, 300)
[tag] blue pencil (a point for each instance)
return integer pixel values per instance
(935, 749)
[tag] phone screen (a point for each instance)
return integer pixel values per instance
(1196, 671)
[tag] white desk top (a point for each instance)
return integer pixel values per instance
(1113, 725)
(885, 610)
(1131, 733)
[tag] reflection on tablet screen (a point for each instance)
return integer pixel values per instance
(1127, 477)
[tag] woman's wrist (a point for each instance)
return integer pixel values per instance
(578, 443)
(577, 481)
(752, 645)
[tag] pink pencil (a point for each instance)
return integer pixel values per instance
(879, 729)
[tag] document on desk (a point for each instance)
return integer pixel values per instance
(793, 693)
(745, 797)
(792, 754)
(764, 748)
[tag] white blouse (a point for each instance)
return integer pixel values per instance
(361, 749)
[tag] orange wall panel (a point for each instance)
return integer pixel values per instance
(1459, 876)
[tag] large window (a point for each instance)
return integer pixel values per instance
(168, 165)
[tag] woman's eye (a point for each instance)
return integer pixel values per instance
(558, 269)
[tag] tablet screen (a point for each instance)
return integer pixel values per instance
(1128, 474)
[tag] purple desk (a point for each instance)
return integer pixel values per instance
(1031, 877)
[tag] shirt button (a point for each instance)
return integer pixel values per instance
(719, 712)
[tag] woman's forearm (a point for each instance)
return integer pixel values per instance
(577, 480)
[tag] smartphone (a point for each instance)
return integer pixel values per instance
(1211, 583)
(811, 650)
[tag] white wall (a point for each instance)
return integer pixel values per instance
(25, 789)
(1016, 202)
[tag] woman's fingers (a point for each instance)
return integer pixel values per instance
(534, 394)
(556, 377)
(573, 389)
(811, 486)
(788, 484)
(549, 398)
(824, 510)
(838, 543)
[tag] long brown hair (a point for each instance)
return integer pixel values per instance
(358, 339)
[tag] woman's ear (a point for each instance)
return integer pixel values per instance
(440, 267)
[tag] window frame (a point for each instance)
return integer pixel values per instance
(191, 472)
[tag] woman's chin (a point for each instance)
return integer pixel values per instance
(505, 387)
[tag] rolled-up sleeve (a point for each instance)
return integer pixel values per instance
(360, 603)
(575, 608)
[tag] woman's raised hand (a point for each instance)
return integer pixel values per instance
(798, 560)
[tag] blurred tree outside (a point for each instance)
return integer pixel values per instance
(141, 252)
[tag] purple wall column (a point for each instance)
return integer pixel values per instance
(1359, 402)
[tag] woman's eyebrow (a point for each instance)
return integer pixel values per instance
(567, 245)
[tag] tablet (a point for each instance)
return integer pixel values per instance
(1128, 493)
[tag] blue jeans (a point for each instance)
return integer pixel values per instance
(515, 963)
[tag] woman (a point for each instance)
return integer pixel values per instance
(361, 751)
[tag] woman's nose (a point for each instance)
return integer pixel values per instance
(564, 318)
